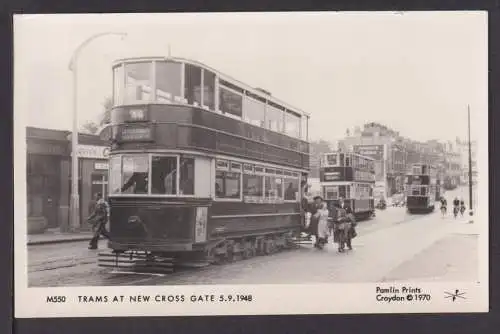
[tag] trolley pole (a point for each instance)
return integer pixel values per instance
(470, 168)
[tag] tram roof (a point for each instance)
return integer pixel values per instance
(226, 77)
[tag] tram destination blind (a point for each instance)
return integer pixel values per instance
(136, 133)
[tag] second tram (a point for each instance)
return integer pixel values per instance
(422, 188)
(202, 166)
(348, 179)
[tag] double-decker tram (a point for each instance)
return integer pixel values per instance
(202, 166)
(350, 178)
(422, 188)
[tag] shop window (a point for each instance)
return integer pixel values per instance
(192, 84)
(168, 81)
(253, 185)
(138, 82)
(164, 175)
(230, 102)
(135, 171)
(291, 189)
(227, 185)
(274, 187)
(187, 176)
(209, 89)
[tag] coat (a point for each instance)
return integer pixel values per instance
(323, 230)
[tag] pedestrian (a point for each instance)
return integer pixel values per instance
(313, 225)
(351, 227)
(322, 233)
(98, 219)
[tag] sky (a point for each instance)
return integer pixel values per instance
(415, 72)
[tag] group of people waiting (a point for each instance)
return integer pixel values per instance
(338, 221)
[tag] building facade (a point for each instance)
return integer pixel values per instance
(394, 155)
(48, 177)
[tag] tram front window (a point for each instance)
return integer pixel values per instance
(331, 160)
(135, 175)
(164, 175)
(168, 81)
(138, 82)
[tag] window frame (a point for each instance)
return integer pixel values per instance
(150, 174)
(228, 170)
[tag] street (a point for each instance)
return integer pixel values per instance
(393, 246)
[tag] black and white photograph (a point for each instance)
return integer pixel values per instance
(226, 163)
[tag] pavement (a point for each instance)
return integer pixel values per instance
(55, 236)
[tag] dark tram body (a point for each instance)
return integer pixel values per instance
(348, 178)
(422, 187)
(201, 165)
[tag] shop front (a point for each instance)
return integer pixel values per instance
(93, 166)
(47, 170)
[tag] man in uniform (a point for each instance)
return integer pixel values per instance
(99, 219)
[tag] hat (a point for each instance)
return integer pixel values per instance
(317, 197)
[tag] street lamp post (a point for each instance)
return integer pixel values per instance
(471, 212)
(75, 196)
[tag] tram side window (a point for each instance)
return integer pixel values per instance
(227, 185)
(192, 84)
(115, 166)
(186, 168)
(415, 191)
(168, 81)
(164, 175)
(230, 102)
(331, 192)
(118, 85)
(273, 187)
(291, 189)
(254, 111)
(138, 82)
(209, 89)
(292, 124)
(274, 118)
(342, 192)
(423, 191)
(253, 185)
(135, 175)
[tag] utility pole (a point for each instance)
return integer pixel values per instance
(470, 168)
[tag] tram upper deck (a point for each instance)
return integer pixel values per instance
(179, 104)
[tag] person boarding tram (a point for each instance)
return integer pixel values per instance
(99, 218)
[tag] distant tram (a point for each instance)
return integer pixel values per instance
(202, 166)
(349, 177)
(422, 188)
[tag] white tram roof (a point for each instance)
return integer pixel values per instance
(221, 75)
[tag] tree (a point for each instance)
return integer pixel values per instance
(91, 126)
